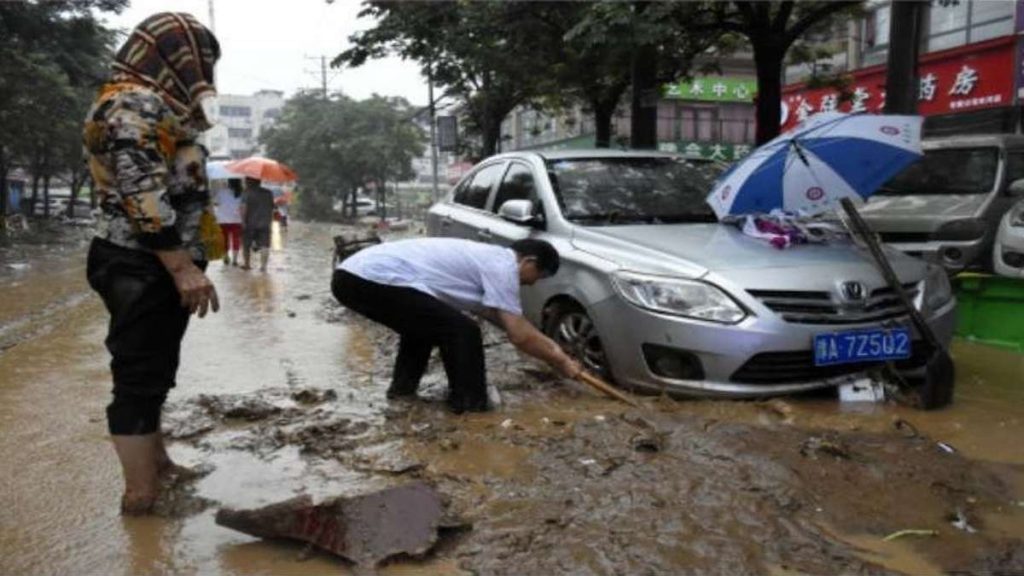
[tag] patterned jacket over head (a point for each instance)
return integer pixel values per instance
(141, 136)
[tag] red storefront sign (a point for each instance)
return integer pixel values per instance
(972, 77)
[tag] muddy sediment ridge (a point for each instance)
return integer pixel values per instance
(558, 480)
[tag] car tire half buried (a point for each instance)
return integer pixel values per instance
(568, 324)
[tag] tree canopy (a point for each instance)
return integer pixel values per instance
(53, 55)
(340, 145)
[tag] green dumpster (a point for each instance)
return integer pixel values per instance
(991, 310)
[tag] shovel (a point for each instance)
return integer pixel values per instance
(604, 387)
(936, 390)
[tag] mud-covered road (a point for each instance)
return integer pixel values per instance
(282, 393)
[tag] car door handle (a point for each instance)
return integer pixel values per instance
(484, 234)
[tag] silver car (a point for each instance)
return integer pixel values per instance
(946, 208)
(1008, 252)
(656, 295)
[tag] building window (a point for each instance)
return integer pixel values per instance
(240, 132)
(236, 111)
(272, 114)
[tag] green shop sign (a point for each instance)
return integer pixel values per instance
(709, 150)
(712, 89)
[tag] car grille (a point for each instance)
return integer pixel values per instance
(905, 237)
(796, 367)
(806, 307)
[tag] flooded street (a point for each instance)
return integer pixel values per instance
(282, 393)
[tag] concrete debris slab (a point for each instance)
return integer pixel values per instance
(363, 529)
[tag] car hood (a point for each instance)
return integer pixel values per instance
(694, 250)
(924, 213)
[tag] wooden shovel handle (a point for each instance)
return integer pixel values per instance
(607, 389)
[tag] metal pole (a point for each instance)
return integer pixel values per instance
(433, 130)
(323, 74)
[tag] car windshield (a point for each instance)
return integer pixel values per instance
(630, 190)
(947, 171)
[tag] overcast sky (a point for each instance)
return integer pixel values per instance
(276, 44)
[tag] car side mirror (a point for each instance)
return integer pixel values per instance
(1016, 188)
(519, 212)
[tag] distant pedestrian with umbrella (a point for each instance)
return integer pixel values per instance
(257, 217)
(228, 203)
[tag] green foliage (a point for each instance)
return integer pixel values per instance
(53, 56)
(773, 28)
(338, 145)
(489, 55)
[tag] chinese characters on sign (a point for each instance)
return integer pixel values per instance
(969, 78)
(710, 150)
(712, 89)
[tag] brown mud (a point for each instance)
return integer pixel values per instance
(282, 395)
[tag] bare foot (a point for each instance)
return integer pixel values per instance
(137, 504)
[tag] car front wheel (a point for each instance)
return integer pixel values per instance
(571, 328)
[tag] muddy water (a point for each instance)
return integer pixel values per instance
(558, 480)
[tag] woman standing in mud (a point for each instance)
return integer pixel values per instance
(148, 261)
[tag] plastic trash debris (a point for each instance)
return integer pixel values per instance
(507, 423)
(909, 532)
(862, 390)
(493, 396)
(946, 447)
(600, 418)
(960, 523)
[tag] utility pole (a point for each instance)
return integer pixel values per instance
(901, 78)
(323, 72)
(213, 25)
(433, 129)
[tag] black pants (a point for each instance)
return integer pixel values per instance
(147, 323)
(423, 322)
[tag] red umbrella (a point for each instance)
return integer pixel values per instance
(262, 169)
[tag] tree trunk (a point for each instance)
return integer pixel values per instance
(35, 196)
(92, 192)
(603, 125)
(644, 120)
(46, 196)
(491, 135)
(76, 187)
(901, 81)
(3, 188)
(768, 60)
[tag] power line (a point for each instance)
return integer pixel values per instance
(322, 72)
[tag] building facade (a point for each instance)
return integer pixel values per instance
(239, 121)
(709, 116)
(968, 69)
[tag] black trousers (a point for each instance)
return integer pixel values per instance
(423, 322)
(147, 324)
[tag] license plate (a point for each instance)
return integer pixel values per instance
(861, 346)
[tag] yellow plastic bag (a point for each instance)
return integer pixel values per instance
(211, 236)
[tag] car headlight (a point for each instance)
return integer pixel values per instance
(1017, 217)
(937, 289)
(690, 298)
(960, 231)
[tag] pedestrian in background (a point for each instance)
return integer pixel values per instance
(148, 261)
(257, 217)
(228, 202)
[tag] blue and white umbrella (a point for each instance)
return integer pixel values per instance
(829, 157)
